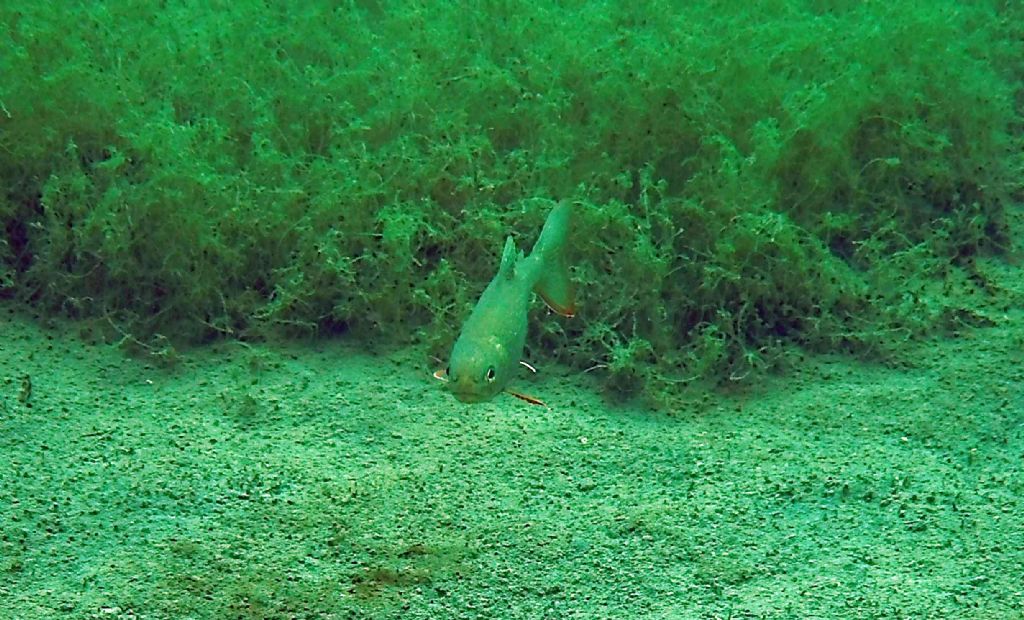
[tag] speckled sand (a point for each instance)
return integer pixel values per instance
(319, 482)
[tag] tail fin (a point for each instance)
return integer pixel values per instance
(553, 284)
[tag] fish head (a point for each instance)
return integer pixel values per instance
(477, 371)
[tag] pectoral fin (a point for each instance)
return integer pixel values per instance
(530, 399)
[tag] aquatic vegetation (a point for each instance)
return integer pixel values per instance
(749, 181)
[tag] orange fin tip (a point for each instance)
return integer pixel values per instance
(530, 399)
(566, 311)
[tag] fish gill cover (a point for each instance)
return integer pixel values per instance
(756, 179)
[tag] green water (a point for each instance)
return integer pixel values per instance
(237, 238)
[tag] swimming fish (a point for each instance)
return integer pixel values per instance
(486, 354)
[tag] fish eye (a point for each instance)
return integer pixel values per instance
(490, 374)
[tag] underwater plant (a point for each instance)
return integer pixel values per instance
(750, 185)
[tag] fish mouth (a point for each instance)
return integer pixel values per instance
(468, 397)
(468, 393)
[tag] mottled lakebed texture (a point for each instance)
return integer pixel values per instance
(279, 482)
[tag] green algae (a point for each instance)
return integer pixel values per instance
(758, 178)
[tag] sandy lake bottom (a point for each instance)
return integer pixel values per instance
(261, 481)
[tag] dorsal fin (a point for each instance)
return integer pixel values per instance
(507, 269)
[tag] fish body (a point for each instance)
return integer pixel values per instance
(487, 352)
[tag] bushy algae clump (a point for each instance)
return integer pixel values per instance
(752, 175)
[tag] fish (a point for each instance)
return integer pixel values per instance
(486, 355)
